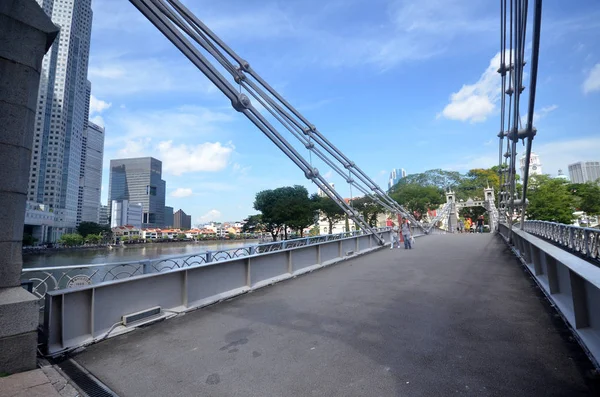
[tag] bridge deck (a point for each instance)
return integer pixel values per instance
(456, 315)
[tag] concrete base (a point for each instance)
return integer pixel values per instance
(18, 329)
(18, 353)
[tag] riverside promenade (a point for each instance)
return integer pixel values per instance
(456, 315)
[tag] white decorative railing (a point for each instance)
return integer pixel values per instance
(582, 241)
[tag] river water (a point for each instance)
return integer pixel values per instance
(130, 253)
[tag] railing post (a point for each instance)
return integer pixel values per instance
(283, 244)
(357, 245)
(146, 267)
(318, 254)
(340, 248)
(289, 262)
(248, 278)
(209, 256)
(536, 260)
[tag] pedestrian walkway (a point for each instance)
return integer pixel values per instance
(45, 382)
(452, 316)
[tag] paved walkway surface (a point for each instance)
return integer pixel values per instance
(44, 382)
(457, 315)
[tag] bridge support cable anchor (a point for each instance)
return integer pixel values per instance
(166, 20)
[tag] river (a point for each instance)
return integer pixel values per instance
(130, 253)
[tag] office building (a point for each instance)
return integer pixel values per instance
(535, 165)
(168, 217)
(182, 221)
(61, 115)
(126, 213)
(103, 218)
(90, 174)
(139, 180)
(395, 176)
(584, 171)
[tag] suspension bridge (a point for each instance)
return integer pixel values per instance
(511, 312)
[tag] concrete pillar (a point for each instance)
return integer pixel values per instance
(26, 33)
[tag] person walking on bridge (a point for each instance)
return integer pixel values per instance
(480, 222)
(406, 234)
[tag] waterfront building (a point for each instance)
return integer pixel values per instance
(168, 217)
(90, 174)
(124, 212)
(139, 180)
(181, 220)
(62, 111)
(104, 215)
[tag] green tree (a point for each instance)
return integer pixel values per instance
(284, 207)
(28, 239)
(253, 224)
(298, 209)
(93, 238)
(330, 211)
(268, 203)
(418, 198)
(550, 200)
(588, 197)
(181, 236)
(86, 228)
(71, 239)
(368, 208)
(231, 236)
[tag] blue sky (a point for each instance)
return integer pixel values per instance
(393, 84)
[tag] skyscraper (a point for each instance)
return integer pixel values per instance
(62, 112)
(395, 176)
(181, 220)
(139, 180)
(584, 171)
(168, 217)
(90, 174)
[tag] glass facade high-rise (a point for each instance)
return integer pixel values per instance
(62, 110)
(90, 174)
(584, 171)
(168, 217)
(139, 180)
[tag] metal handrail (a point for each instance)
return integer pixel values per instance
(46, 279)
(582, 241)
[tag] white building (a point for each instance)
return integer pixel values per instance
(61, 114)
(535, 166)
(584, 171)
(88, 207)
(321, 193)
(395, 176)
(561, 175)
(125, 213)
(103, 219)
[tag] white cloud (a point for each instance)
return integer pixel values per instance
(472, 162)
(182, 192)
(182, 158)
(98, 105)
(212, 215)
(328, 174)
(98, 120)
(542, 113)
(475, 102)
(179, 122)
(592, 82)
(241, 170)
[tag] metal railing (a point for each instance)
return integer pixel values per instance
(579, 240)
(41, 280)
(78, 316)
